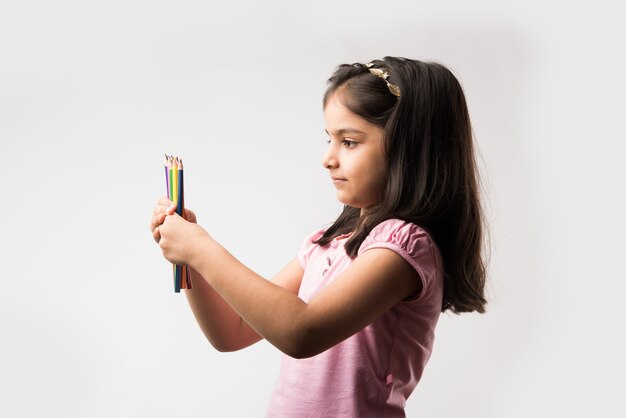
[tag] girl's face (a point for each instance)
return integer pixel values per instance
(354, 157)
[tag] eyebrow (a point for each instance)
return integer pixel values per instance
(344, 131)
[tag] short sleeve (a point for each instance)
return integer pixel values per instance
(410, 242)
(308, 246)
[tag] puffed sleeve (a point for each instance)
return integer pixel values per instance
(308, 247)
(409, 241)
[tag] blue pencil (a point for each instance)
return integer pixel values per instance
(179, 198)
(185, 274)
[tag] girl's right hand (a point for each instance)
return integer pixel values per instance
(163, 208)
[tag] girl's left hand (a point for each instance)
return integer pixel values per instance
(180, 239)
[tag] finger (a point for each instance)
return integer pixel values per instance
(169, 217)
(164, 209)
(164, 201)
(156, 234)
(156, 221)
(162, 204)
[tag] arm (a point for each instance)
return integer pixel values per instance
(374, 282)
(222, 326)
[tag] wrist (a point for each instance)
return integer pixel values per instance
(201, 253)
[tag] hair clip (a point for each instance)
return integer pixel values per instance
(394, 89)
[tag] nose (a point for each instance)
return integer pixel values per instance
(329, 160)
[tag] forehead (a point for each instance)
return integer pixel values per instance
(339, 119)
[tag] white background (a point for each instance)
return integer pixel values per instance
(92, 94)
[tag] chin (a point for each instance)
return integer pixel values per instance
(342, 199)
(348, 202)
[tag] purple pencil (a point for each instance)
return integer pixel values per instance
(167, 177)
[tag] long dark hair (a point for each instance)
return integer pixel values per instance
(432, 175)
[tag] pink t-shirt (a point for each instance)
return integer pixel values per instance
(373, 372)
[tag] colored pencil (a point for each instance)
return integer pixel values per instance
(167, 177)
(175, 192)
(186, 273)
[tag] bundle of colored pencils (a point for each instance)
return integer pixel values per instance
(176, 193)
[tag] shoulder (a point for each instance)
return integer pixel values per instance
(410, 241)
(407, 236)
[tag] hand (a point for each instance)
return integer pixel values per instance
(180, 240)
(163, 208)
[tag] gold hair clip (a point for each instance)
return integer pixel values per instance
(394, 89)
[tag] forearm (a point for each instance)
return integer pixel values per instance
(220, 305)
(227, 292)
(273, 312)
(221, 325)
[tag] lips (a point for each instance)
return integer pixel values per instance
(338, 179)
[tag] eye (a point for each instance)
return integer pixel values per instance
(348, 143)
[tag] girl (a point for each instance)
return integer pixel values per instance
(355, 312)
